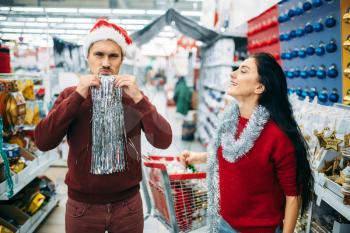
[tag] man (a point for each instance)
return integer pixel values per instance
(111, 202)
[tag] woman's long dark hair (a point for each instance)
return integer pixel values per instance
(275, 99)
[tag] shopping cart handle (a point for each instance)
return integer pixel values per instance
(158, 165)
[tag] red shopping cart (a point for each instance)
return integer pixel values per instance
(179, 200)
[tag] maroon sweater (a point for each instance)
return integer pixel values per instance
(71, 115)
(253, 189)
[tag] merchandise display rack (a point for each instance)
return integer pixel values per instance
(213, 82)
(23, 178)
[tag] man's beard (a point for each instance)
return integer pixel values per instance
(108, 131)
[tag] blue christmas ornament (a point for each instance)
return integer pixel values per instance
(304, 93)
(302, 53)
(303, 74)
(312, 72)
(298, 11)
(291, 13)
(318, 27)
(290, 74)
(292, 34)
(298, 91)
(283, 56)
(330, 22)
(294, 53)
(316, 3)
(281, 37)
(300, 32)
(310, 50)
(321, 73)
(312, 93)
(288, 56)
(320, 50)
(290, 91)
(308, 28)
(307, 6)
(296, 73)
(323, 97)
(332, 71)
(334, 96)
(331, 47)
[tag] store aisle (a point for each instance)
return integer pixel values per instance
(54, 223)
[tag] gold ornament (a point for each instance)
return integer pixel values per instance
(347, 140)
(332, 142)
(320, 137)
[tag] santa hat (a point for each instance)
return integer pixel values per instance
(104, 30)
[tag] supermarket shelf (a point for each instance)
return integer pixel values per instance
(33, 222)
(34, 168)
(332, 199)
(221, 64)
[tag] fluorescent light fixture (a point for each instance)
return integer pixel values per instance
(32, 30)
(155, 12)
(69, 37)
(116, 21)
(2, 18)
(128, 12)
(56, 31)
(63, 25)
(36, 24)
(28, 9)
(84, 26)
(193, 0)
(61, 10)
(11, 30)
(191, 13)
(95, 11)
(135, 21)
(166, 34)
(79, 20)
(78, 32)
(22, 19)
(133, 27)
(50, 20)
(13, 24)
(4, 8)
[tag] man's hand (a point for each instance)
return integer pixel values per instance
(85, 82)
(129, 85)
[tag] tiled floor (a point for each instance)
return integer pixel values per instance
(54, 223)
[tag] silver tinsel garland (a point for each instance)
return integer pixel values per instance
(108, 132)
(232, 151)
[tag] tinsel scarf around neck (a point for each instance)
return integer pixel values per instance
(233, 150)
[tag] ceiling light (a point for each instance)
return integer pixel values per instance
(33, 30)
(79, 20)
(36, 24)
(22, 19)
(28, 9)
(14, 24)
(80, 32)
(2, 18)
(133, 27)
(116, 21)
(69, 37)
(61, 10)
(63, 25)
(4, 8)
(95, 11)
(50, 20)
(56, 31)
(135, 21)
(191, 13)
(128, 12)
(155, 12)
(193, 0)
(11, 30)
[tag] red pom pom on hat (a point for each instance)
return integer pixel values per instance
(104, 30)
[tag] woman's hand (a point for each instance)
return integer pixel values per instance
(190, 157)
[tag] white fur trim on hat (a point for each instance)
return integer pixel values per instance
(108, 33)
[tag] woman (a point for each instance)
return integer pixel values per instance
(258, 169)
